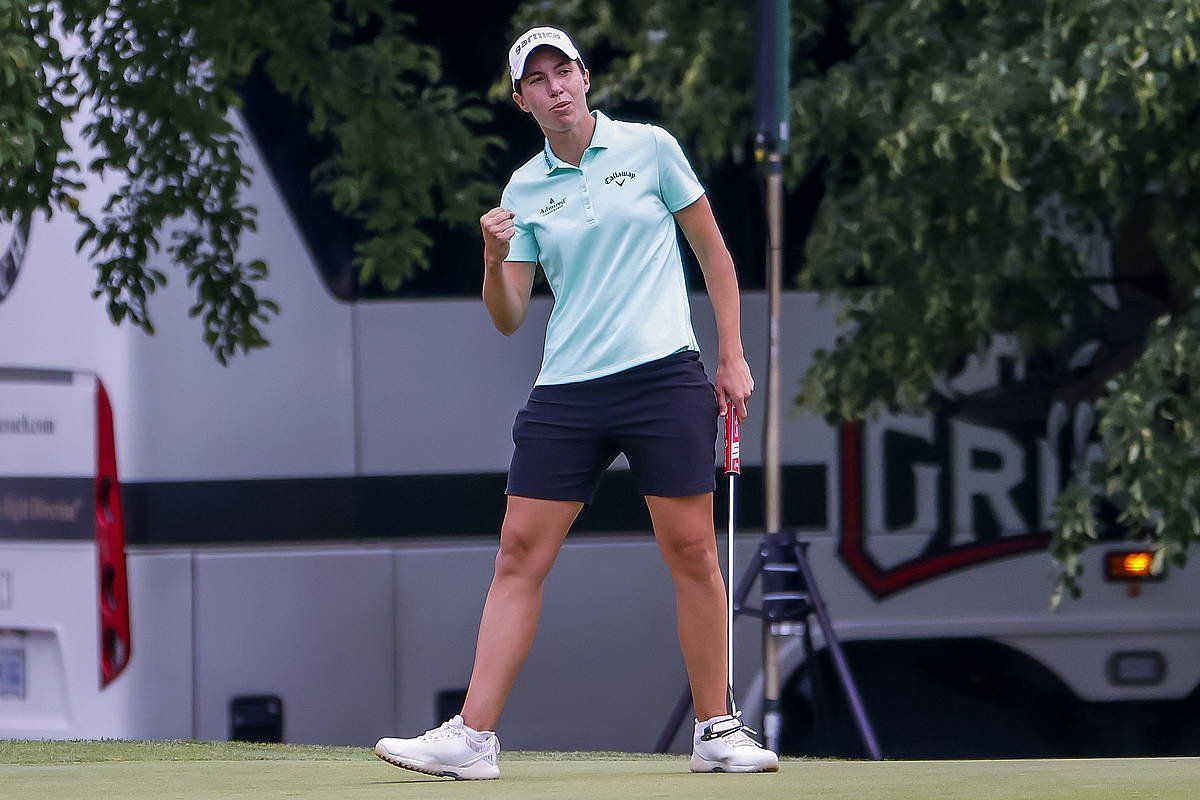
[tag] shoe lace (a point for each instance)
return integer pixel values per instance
(444, 731)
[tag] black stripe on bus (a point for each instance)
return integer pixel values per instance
(401, 506)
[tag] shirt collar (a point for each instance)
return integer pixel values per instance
(601, 137)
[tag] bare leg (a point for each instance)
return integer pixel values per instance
(530, 538)
(683, 527)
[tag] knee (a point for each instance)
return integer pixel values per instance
(692, 558)
(522, 554)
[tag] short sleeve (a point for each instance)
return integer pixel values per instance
(678, 186)
(523, 245)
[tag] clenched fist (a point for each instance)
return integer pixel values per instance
(498, 229)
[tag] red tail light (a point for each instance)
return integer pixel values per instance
(110, 548)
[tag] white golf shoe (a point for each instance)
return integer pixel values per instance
(722, 744)
(451, 750)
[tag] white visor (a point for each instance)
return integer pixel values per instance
(533, 38)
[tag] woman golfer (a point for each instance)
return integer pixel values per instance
(620, 373)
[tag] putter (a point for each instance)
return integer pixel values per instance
(733, 468)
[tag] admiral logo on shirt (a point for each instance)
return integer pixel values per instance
(620, 177)
(555, 205)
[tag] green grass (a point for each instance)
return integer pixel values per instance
(30, 752)
(105, 750)
(222, 770)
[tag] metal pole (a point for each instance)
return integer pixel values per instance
(771, 112)
(772, 489)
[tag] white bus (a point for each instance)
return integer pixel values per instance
(297, 546)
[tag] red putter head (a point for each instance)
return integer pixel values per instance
(733, 439)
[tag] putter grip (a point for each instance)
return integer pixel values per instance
(733, 439)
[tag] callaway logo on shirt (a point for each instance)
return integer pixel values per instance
(619, 178)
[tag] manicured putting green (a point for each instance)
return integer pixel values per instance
(220, 771)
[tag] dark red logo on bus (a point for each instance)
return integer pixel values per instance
(933, 536)
(13, 236)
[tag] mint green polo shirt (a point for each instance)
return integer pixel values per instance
(606, 238)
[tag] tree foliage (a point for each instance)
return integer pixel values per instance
(971, 154)
(1151, 467)
(156, 80)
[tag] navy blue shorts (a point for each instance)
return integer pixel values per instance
(662, 415)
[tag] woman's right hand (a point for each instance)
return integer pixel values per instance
(498, 229)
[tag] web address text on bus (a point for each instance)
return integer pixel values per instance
(25, 425)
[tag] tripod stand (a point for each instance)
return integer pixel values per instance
(789, 595)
